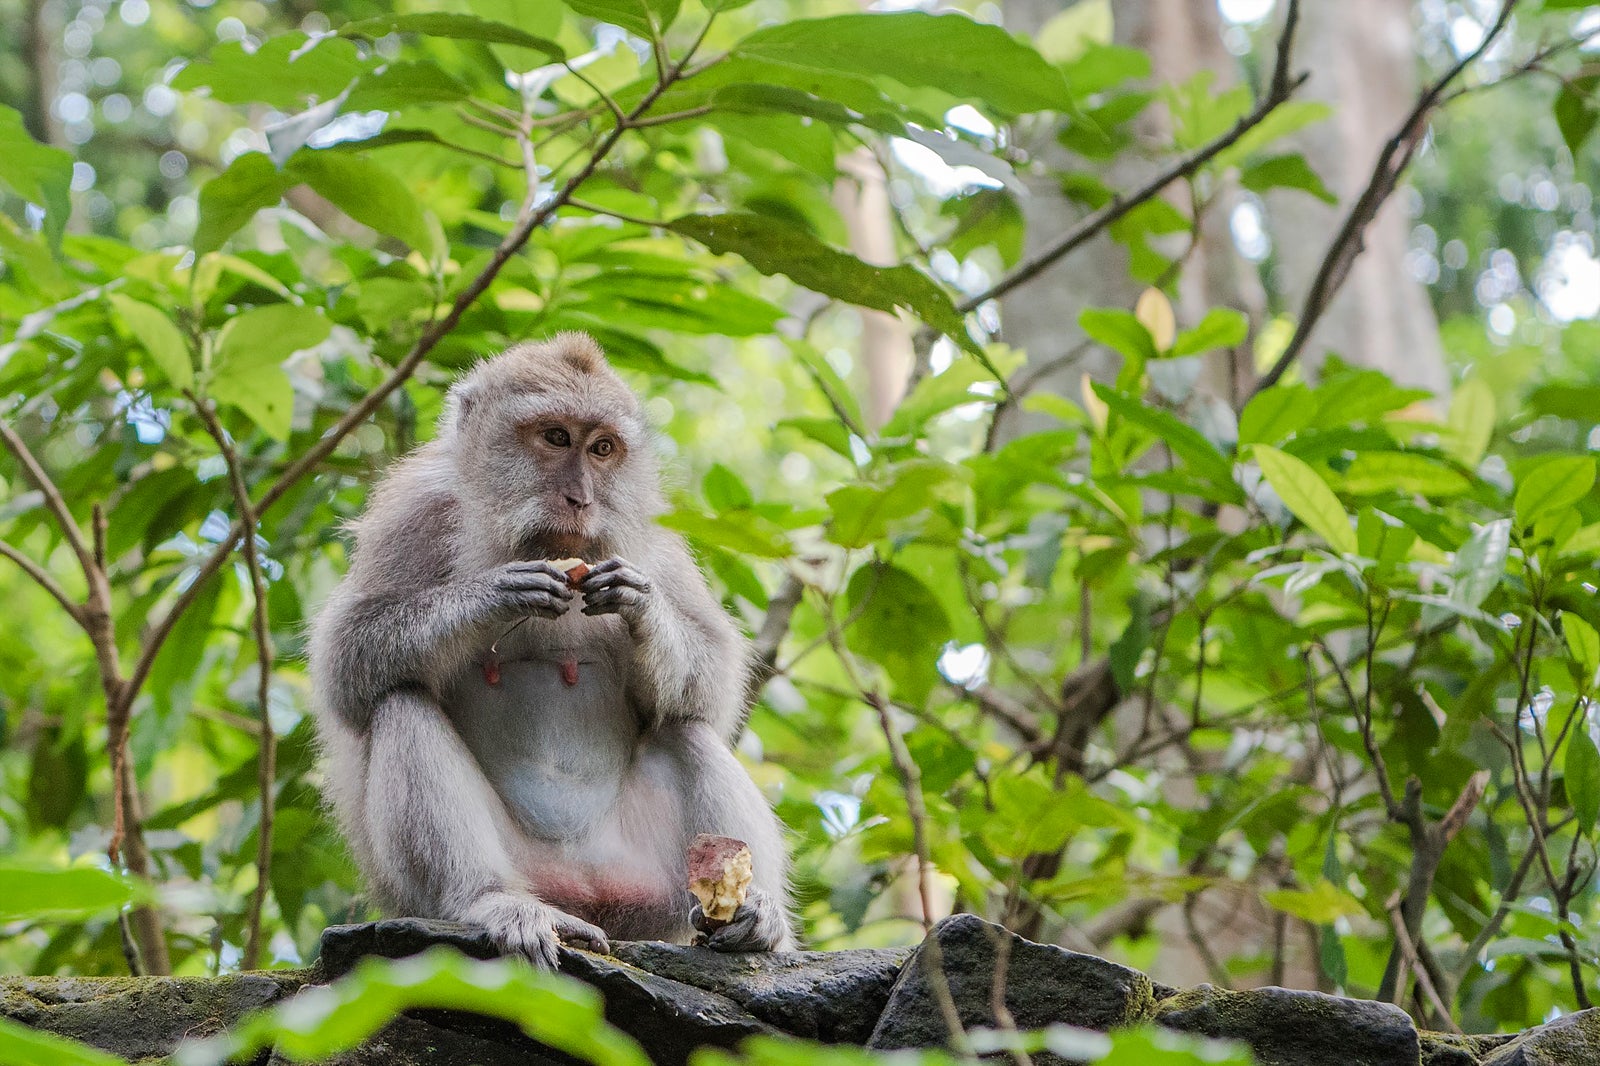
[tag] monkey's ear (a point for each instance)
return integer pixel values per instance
(461, 401)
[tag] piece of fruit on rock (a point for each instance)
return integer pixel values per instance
(575, 569)
(720, 870)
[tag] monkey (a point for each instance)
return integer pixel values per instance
(510, 750)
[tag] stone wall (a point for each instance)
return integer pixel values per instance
(673, 999)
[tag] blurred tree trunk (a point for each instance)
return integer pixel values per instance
(861, 195)
(1362, 61)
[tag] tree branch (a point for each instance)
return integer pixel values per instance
(1347, 243)
(267, 740)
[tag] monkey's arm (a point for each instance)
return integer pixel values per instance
(403, 620)
(690, 661)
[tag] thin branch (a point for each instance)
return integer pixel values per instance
(267, 751)
(52, 498)
(1392, 162)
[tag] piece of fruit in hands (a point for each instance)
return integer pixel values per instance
(720, 871)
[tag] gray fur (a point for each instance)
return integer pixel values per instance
(500, 794)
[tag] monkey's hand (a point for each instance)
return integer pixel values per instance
(520, 924)
(615, 587)
(758, 925)
(519, 589)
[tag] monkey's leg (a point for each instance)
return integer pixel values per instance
(440, 837)
(727, 803)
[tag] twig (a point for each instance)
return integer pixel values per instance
(267, 740)
(52, 497)
(1347, 243)
(1413, 963)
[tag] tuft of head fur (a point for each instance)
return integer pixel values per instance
(569, 365)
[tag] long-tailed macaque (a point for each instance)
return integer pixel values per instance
(510, 751)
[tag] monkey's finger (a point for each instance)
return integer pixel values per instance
(613, 563)
(614, 578)
(535, 566)
(579, 933)
(530, 582)
(610, 601)
(540, 603)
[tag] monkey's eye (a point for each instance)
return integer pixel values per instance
(557, 436)
(602, 447)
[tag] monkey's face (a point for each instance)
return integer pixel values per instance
(552, 474)
(551, 446)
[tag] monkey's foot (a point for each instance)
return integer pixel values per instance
(520, 924)
(758, 925)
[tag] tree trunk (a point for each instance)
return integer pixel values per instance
(1361, 58)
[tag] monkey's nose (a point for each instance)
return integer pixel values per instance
(578, 502)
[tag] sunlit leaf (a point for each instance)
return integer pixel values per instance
(38, 173)
(81, 891)
(1222, 327)
(1471, 421)
(1290, 171)
(158, 336)
(1582, 769)
(1322, 904)
(952, 53)
(1557, 482)
(453, 26)
(1308, 497)
(1481, 563)
(368, 193)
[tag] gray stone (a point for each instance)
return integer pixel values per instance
(1286, 1027)
(1571, 1040)
(141, 1017)
(832, 996)
(1043, 985)
(668, 1017)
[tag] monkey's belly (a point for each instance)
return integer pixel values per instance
(557, 753)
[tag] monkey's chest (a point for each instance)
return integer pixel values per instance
(554, 733)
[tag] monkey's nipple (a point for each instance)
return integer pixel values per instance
(569, 671)
(491, 669)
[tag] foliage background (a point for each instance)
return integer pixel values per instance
(1236, 684)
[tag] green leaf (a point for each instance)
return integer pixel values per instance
(726, 491)
(1379, 472)
(1576, 112)
(248, 372)
(898, 623)
(402, 84)
(1276, 414)
(1480, 563)
(773, 246)
(286, 72)
(1584, 644)
(1120, 331)
(38, 173)
(737, 531)
(1582, 768)
(81, 891)
(158, 336)
(1185, 441)
(1308, 497)
(1222, 327)
(233, 197)
(1322, 904)
(1289, 171)
(368, 193)
(951, 53)
(647, 18)
(21, 1045)
(558, 1011)
(455, 27)
(1471, 422)
(1557, 482)
(862, 513)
